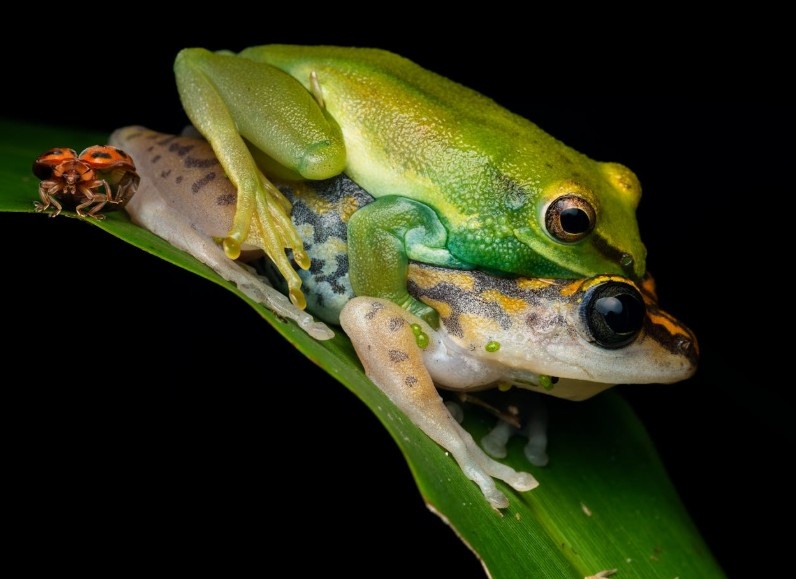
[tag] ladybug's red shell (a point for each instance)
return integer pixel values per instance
(45, 164)
(102, 157)
(116, 167)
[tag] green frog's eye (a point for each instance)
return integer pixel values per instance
(570, 218)
(613, 313)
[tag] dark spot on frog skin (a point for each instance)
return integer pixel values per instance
(194, 163)
(398, 356)
(375, 308)
(395, 324)
(226, 199)
(167, 140)
(410, 381)
(198, 184)
(181, 150)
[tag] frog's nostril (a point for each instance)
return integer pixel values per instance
(688, 346)
(626, 261)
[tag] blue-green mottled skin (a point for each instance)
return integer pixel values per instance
(459, 181)
(321, 213)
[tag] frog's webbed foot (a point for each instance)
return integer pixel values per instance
(262, 218)
(396, 366)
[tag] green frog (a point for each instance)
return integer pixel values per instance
(459, 181)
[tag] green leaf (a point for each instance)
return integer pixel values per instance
(604, 502)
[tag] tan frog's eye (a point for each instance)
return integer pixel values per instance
(613, 313)
(570, 218)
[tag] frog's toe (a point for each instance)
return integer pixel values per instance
(483, 469)
(477, 471)
(494, 443)
(456, 410)
(518, 480)
(496, 498)
(523, 481)
(536, 431)
(536, 452)
(270, 228)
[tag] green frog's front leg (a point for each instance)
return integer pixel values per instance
(235, 102)
(402, 229)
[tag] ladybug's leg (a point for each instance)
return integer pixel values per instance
(57, 205)
(47, 192)
(45, 197)
(119, 197)
(108, 191)
(97, 199)
(127, 187)
(94, 211)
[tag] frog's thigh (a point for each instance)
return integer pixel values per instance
(150, 210)
(385, 343)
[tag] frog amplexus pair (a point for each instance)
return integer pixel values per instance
(481, 251)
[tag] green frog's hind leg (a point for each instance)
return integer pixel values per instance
(278, 117)
(396, 366)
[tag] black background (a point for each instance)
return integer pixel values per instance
(151, 412)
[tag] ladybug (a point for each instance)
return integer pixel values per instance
(101, 174)
(116, 167)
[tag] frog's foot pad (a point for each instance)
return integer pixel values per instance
(494, 442)
(150, 210)
(536, 431)
(397, 367)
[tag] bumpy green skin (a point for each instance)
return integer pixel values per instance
(459, 181)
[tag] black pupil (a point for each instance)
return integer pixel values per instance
(623, 313)
(574, 220)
